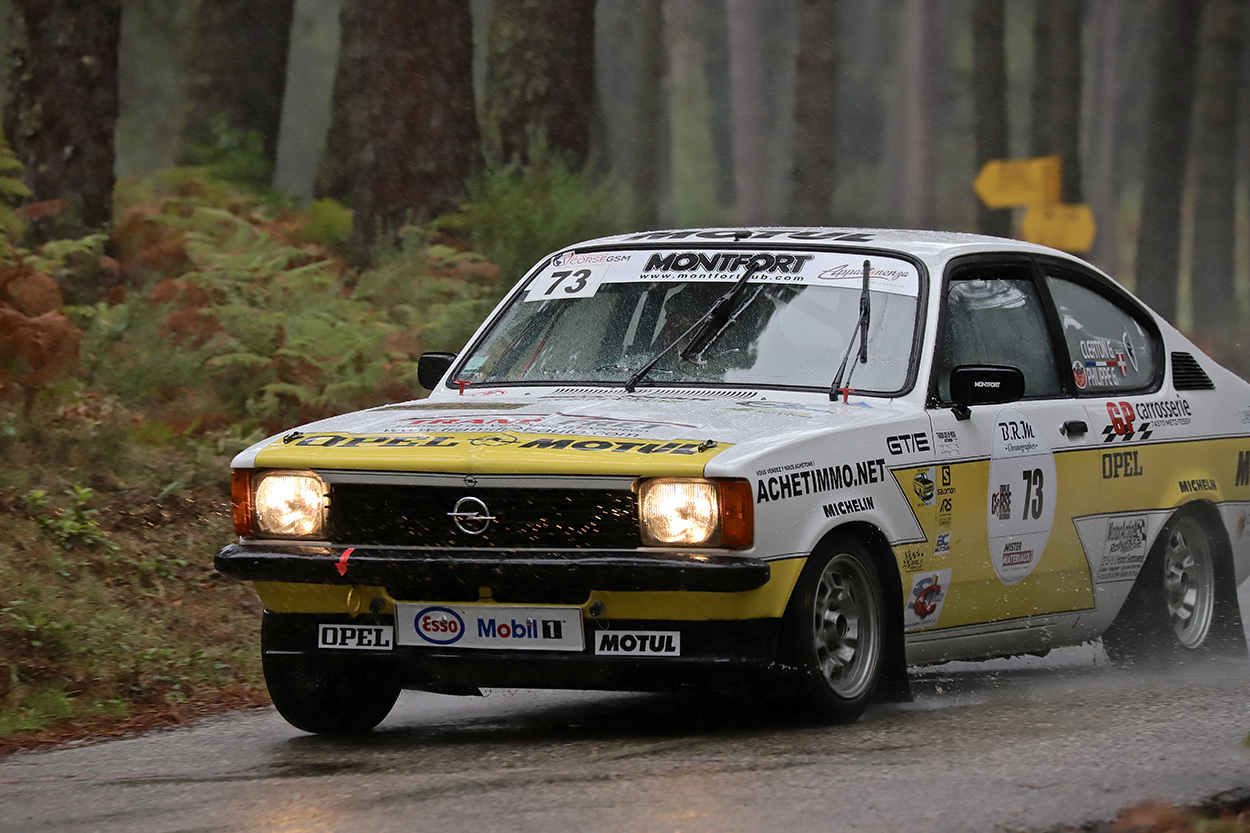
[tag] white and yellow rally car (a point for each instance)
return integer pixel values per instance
(804, 457)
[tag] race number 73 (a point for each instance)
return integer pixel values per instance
(576, 285)
(1033, 493)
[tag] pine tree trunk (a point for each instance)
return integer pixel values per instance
(648, 114)
(920, 64)
(418, 138)
(237, 72)
(815, 114)
(1056, 128)
(540, 72)
(1215, 152)
(335, 172)
(1103, 111)
(61, 109)
(746, 85)
(1167, 149)
(693, 155)
(989, 102)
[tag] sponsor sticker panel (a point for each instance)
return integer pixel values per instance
(638, 643)
(924, 603)
(1020, 506)
(489, 627)
(355, 637)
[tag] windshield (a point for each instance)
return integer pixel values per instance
(597, 318)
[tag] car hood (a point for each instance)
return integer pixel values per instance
(612, 433)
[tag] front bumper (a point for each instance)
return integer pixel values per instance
(713, 653)
(395, 568)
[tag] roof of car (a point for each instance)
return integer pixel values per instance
(926, 244)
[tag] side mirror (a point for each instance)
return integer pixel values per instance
(985, 384)
(432, 367)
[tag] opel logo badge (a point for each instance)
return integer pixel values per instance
(471, 516)
(494, 440)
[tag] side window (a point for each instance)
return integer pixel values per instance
(1109, 348)
(994, 315)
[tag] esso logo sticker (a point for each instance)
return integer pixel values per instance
(439, 625)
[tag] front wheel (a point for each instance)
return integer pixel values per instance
(835, 630)
(324, 696)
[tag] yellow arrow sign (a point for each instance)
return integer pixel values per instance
(1061, 226)
(1005, 183)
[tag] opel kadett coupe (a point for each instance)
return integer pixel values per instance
(802, 459)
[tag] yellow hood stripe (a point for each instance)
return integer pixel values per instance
(511, 452)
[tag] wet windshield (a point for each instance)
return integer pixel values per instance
(597, 318)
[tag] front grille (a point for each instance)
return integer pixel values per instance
(417, 516)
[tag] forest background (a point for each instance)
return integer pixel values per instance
(224, 217)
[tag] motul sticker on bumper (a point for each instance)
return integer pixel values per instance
(492, 627)
(639, 643)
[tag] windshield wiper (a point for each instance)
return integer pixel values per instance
(701, 332)
(861, 330)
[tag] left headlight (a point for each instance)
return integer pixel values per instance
(283, 504)
(696, 512)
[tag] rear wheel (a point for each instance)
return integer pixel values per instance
(324, 696)
(835, 630)
(1184, 603)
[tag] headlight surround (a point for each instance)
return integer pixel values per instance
(289, 504)
(696, 512)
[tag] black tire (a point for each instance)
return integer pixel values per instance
(835, 631)
(1183, 605)
(326, 697)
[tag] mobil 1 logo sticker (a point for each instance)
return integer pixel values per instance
(1020, 506)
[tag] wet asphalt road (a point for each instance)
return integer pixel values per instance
(1007, 745)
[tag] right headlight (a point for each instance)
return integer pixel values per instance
(696, 512)
(288, 504)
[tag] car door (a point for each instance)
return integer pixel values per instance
(1010, 477)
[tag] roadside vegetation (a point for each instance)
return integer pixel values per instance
(135, 363)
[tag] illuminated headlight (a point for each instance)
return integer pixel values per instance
(693, 512)
(289, 504)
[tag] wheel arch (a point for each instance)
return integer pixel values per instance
(893, 685)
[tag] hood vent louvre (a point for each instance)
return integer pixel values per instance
(684, 393)
(1187, 374)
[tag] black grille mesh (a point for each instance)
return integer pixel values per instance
(417, 516)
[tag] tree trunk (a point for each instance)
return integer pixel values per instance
(920, 63)
(815, 114)
(693, 155)
(418, 138)
(1056, 128)
(648, 114)
(61, 109)
(1167, 148)
(237, 76)
(1102, 114)
(746, 85)
(989, 102)
(336, 171)
(1215, 151)
(540, 72)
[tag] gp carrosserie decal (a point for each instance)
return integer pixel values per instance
(1020, 506)
(780, 483)
(924, 602)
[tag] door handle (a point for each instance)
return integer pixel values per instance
(1074, 426)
